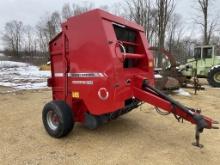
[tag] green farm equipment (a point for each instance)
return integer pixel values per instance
(205, 64)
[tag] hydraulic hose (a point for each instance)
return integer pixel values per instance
(198, 118)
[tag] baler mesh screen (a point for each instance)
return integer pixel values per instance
(125, 34)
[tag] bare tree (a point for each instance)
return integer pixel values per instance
(12, 36)
(215, 40)
(29, 40)
(82, 8)
(207, 25)
(165, 9)
(76, 9)
(55, 23)
(142, 12)
(66, 11)
(116, 9)
(47, 28)
(43, 37)
(174, 31)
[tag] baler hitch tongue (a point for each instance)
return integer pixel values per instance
(180, 111)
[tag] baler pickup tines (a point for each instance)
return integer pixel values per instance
(157, 98)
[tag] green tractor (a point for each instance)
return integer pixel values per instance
(205, 64)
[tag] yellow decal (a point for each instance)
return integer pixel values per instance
(75, 94)
(150, 64)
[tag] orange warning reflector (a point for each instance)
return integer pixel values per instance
(150, 64)
(75, 94)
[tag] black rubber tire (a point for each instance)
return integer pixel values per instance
(211, 75)
(65, 115)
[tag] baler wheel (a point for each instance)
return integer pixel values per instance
(57, 118)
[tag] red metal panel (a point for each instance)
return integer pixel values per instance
(90, 51)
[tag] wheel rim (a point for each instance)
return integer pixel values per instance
(53, 120)
(217, 77)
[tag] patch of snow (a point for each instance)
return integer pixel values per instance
(11, 64)
(182, 92)
(2, 55)
(22, 76)
(158, 76)
(39, 85)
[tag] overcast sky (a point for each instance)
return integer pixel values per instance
(30, 11)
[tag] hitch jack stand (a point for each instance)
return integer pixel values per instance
(197, 137)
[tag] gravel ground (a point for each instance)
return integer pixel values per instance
(140, 137)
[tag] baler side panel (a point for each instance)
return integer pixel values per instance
(100, 48)
(89, 52)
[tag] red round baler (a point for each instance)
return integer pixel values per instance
(101, 69)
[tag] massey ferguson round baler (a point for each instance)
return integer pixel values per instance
(101, 69)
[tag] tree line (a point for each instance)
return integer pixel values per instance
(163, 26)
